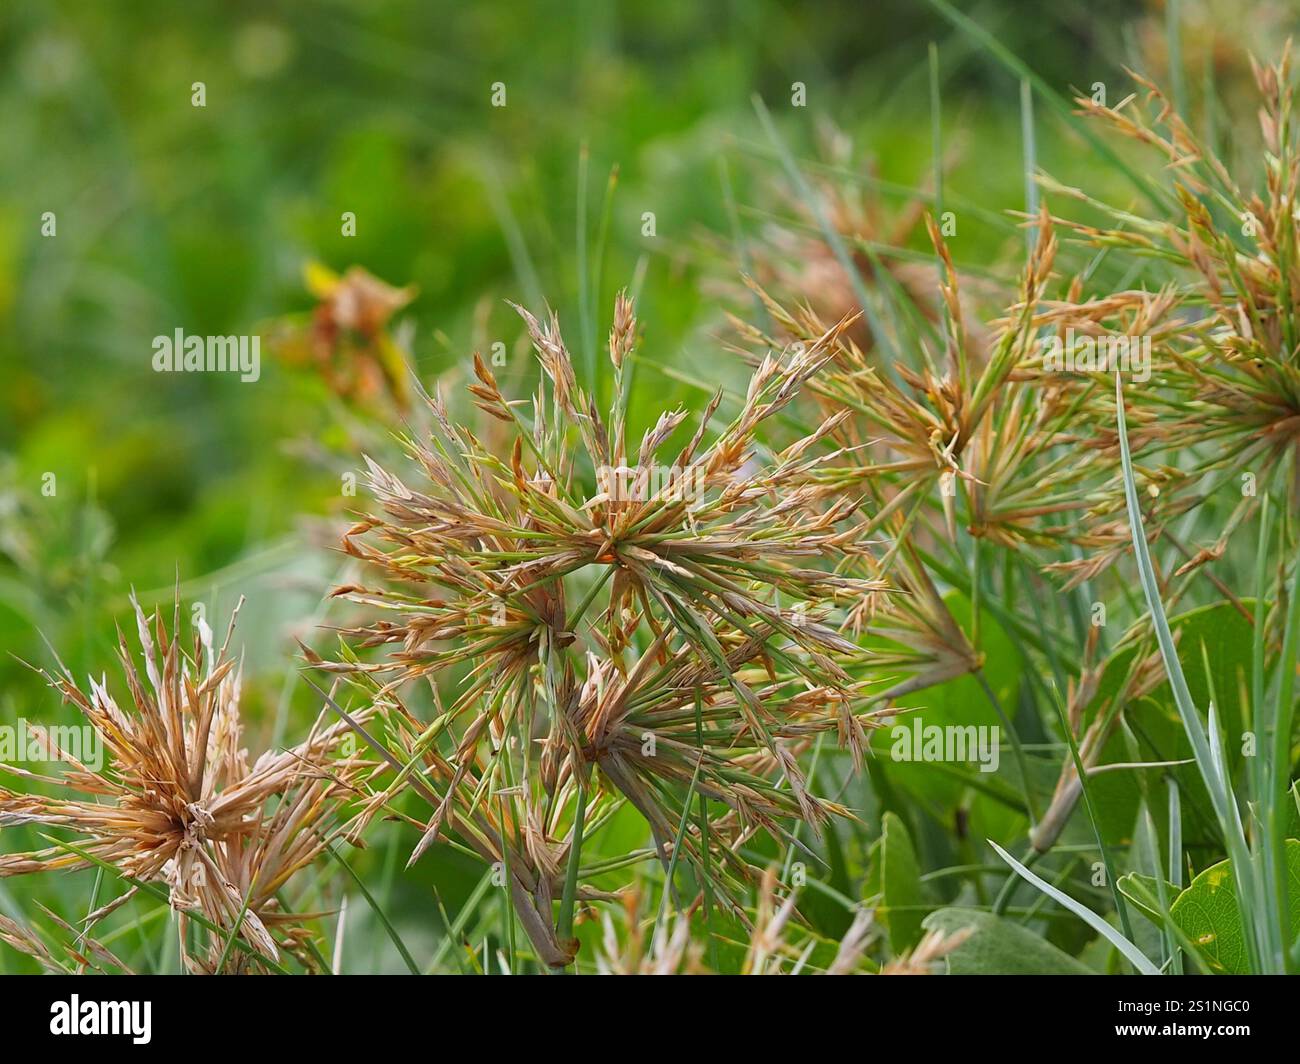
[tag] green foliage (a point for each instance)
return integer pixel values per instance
(203, 218)
(998, 946)
(902, 906)
(1209, 914)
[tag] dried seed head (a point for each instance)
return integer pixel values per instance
(178, 803)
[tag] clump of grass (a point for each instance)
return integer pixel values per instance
(983, 464)
(553, 640)
(967, 459)
(1227, 323)
(1228, 404)
(621, 638)
(179, 804)
(977, 424)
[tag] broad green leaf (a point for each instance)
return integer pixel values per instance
(1142, 891)
(998, 946)
(1209, 914)
(900, 884)
(1293, 812)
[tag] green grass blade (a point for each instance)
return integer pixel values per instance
(1221, 796)
(1134, 955)
(1175, 853)
(1111, 880)
(239, 922)
(832, 236)
(1058, 103)
(379, 912)
(157, 892)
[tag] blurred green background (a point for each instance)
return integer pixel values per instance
(202, 218)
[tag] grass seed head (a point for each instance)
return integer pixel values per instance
(177, 800)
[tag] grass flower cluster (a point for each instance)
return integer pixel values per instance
(641, 673)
